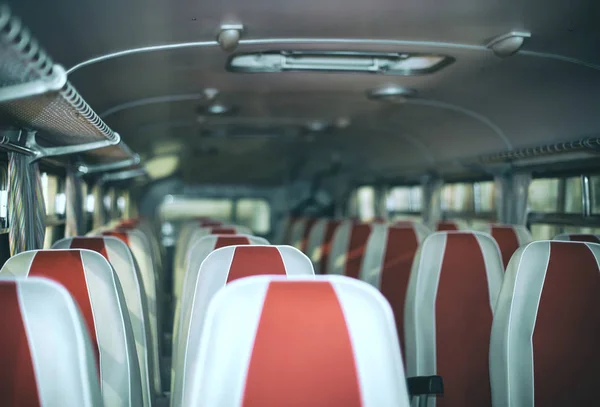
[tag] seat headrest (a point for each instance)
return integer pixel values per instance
(323, 342)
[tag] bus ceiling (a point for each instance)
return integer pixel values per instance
(221, 94)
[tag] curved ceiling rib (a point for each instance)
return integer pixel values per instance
(153, 100)
(468, 112)
(284, 41)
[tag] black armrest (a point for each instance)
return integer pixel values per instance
(425, 386)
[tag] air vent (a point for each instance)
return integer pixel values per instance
(338, 61)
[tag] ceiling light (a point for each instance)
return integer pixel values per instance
(318, 125)
(339, 61)
(215, 109)
(508, 44)
(391, 93)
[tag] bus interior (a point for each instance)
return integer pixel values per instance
(299, 203)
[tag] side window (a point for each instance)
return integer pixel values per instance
(457, 197)
(53, 189)
(404, 203)
(595, 194)
(255, 214)
(123, 204)
(543, 195)
(484, 196)
(187, 208)
(365, 201)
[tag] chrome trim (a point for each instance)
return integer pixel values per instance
(296, 41)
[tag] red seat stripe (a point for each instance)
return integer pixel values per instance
(90, 243)
(18, 386)
(223, 231)
(310, 223)
(66, 268)
(463, 324)
(400, 250)
(302, 352)
(446, 227)
(326, 245)
(566, 354)
(508, 242)
(223, 241)
(356, 249)
(255, 260)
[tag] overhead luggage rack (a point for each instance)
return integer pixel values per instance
(36, 96)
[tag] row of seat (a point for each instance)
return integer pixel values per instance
(114, 279)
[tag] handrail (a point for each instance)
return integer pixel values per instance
(563, 219)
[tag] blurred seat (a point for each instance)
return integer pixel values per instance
(509, 239)
(300, 231)
(349, 359)
(454, 284)
(387, 264)
(579, 237)
(446, 226)
(121, 259)
(544, 349)
(96, 289)
(46, 358)
(319, 243)
(219, 268)
(348, 247)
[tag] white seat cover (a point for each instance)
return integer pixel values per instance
(348, 247)
(327, 341)
(387, 264)
(509, 239)
(300, 232)
(454, 284)
(121, 258)
(46, 359)
(197, 234)
(199, 252)
(544, 347)
(319, 243)
(142, 253)
(220, 267)
(91, 281)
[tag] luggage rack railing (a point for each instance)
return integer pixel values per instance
(35, 95)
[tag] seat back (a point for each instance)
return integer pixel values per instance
(388, 260)
(348, 248)
(199, 252)
(453, 287)
(509, 239)
(446, 226)
(544, 349)
(319, 243)
(349, 359)
(141, 249)
(219, 268)
(94, 286)
(300, 232)
(46, 358)
(120, 257)
(578, 237)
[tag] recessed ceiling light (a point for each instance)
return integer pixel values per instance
(396, 63)
(391, 93)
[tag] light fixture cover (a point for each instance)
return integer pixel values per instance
(399, 63)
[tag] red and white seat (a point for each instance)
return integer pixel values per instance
(197, 234)
(141, 249)
(218, 269)
(327, 342)
(348, 247)
(199, 252)
(46, 358)
(300, 231)
(120, 257)
(509, 239)
(454, 284)
(94, 286)
(544, 349)
(578, 237)
(319, 243)
(387, 264)
(447, 226)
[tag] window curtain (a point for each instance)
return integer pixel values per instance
(74, 212)
(26, 206)
(512, 191)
